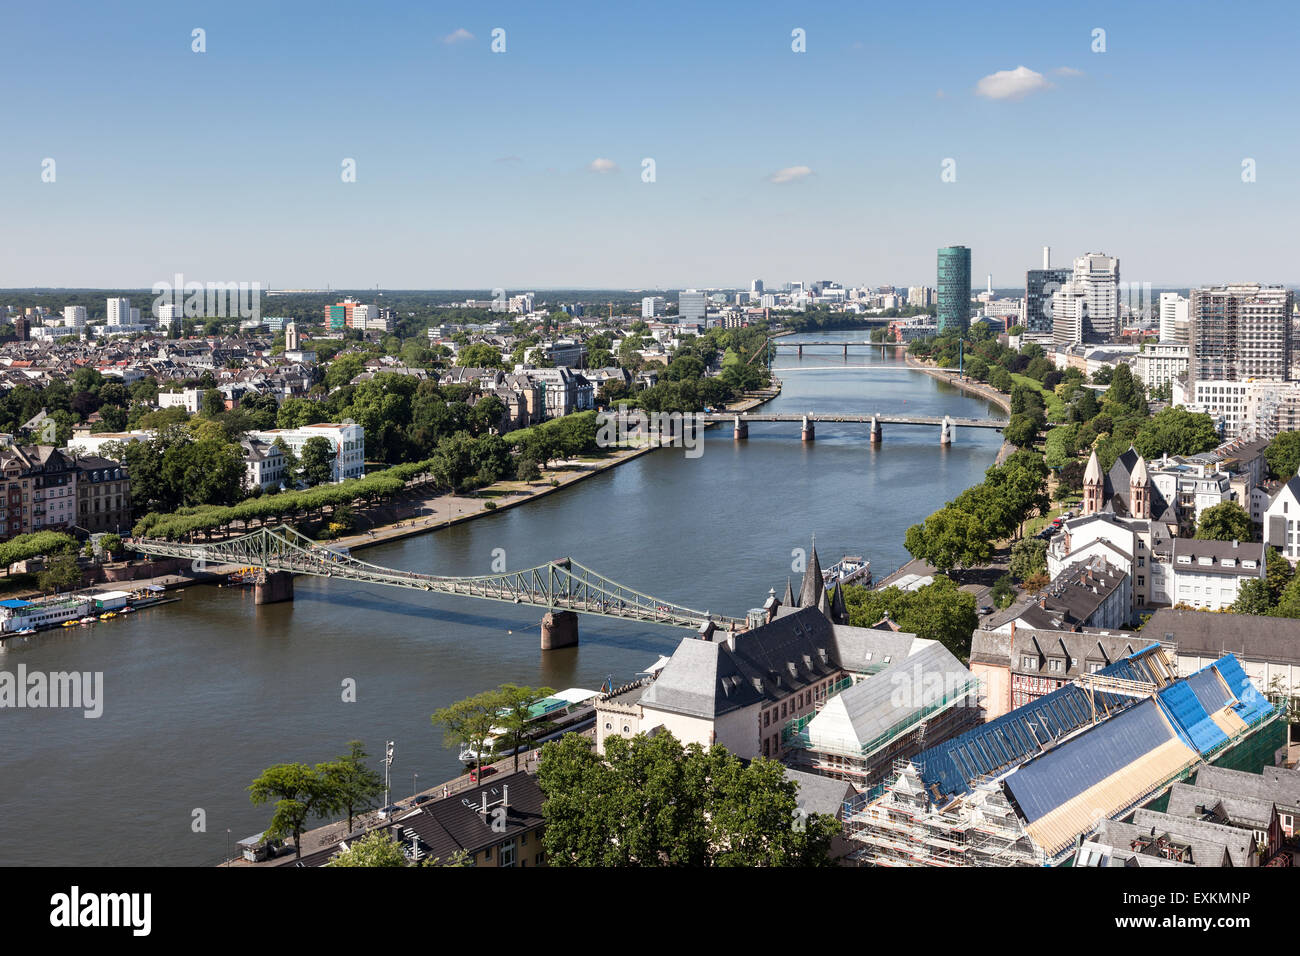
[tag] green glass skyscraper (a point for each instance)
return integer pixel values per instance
(953, 308)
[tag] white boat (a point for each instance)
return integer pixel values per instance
(851, 569)
(546, 711)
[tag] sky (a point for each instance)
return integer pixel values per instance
(524, 169)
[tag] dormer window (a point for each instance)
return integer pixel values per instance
(1028, 663)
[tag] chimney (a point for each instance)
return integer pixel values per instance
(484, 809)
(505, 796)
(1047, 257)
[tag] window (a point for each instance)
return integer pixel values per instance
(507, 855)
(767, 718)
(1028, 663)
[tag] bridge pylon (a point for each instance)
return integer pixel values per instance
(559, 629)
(876, 432)
(809, 432)
(946, 431)
(274, 587)
(739, 430)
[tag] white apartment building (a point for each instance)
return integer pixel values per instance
(119, 312)
(1173, 318)
(264, 466)
(74, 316)
(1069, 315)
(186, 398)
(1282, 521)
(348, 442)
(1255, 409)
(1161, 364)
(652, 306)
(1222, 399)
(1208, 574)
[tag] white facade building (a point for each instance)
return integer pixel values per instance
(1161, 364)
(119, 312)
(348, 442)
(1282, 521)
(1097, 274)
(1208, 574)
(1173, 319)
(74, 316)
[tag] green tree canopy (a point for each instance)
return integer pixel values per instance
(1226, 521)
(374, 849)
(653, 802)
(1283, 455)
(1175, 431)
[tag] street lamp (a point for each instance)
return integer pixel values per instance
(414, 785)
(389, 750)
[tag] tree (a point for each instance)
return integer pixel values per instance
(517, 717)
(949, 538)
(1283, 455)
(1028, 558)
(938, 611)
(63, 574)
(527, 469)
(111, 544)
(301, 793)
(1278, 573)
(480, 355)
(214, 403)
(374, 849)
(317, 461)
(1003, 591)
(1021, 431)
(1252, 598)
(1226, 521)
(1176, 431)
(653, 802)
(469, 723)
(356, 787)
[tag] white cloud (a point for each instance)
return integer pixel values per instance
(790, 174)
(1011, 84)
(599, 165)
(460, 35)
(1067, 71)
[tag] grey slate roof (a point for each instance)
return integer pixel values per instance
(1207, 634)
(818, 794)
(1238, 843)
(1217, 551)
(1117, 488)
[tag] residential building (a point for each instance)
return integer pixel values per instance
(119, 312)
(1208, 574)
(1159, 365)
(1142, 548)
(1097, 275)
(186, 398)
(74, 316)
(347, 441)
(264, 466)
(953, 297)
(1282, 520)
(1019, 666)
(564, 389)
(496, 824)
(1174, 319)
(103, 489)
(1091, 593)
(1069, 308)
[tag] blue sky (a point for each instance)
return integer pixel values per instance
(474, 167)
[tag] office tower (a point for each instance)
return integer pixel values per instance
(74, 316)
(1069, 314)
(1240, 332)
(119, 311)
(953, 308)
(1040, 286)
(692, 306)
(1173, 318)
(756, 287)
(1098, 275)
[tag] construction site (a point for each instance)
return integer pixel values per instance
(1025, 788)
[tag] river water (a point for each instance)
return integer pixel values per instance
(202, 695)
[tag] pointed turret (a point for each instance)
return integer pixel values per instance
(839, 610)
(811, 591)
(1094, 486)
(824, 605)
(788, 600)
(1139, 488)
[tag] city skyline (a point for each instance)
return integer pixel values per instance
(524, 168)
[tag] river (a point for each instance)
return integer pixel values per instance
(202, 695)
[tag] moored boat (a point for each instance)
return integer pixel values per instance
(553, 715)
(851, 569)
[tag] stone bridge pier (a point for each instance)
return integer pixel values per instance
(277, 587)
(559, 629)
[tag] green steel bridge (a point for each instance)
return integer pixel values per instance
(560, 585)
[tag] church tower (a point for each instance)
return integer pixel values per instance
(1139, 490)
(1094, 487)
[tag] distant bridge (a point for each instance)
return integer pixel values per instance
(783, 343)
(563, 587)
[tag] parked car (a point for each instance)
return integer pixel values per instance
(422, 798)
(388, 811)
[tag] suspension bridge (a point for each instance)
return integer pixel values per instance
(562, 587)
